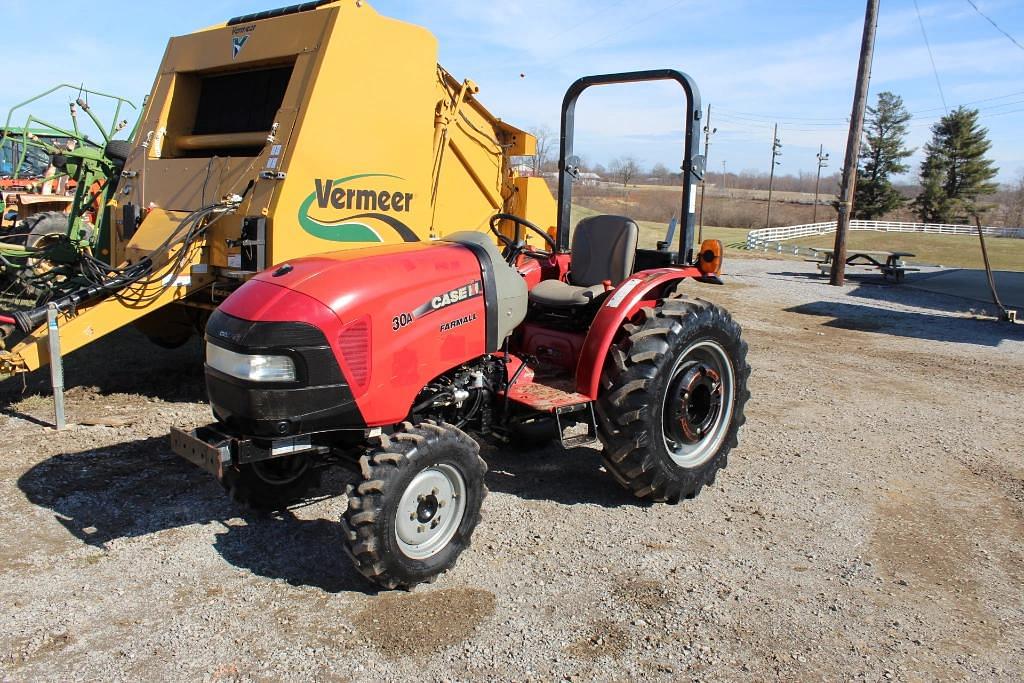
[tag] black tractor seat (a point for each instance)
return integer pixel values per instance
(603, 249)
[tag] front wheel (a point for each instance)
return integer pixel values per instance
(416, 507)
(673, 392)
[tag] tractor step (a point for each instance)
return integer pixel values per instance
(544, 397)
(556, 396)
(589, 419)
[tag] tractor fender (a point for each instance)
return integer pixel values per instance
(639, 290)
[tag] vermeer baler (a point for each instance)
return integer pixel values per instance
(307, 129)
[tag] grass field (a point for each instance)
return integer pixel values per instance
(958, 251)
(652, 232)
(953, 251)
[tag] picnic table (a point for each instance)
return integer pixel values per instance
(889, 262)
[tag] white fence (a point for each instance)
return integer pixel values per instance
(757, 239)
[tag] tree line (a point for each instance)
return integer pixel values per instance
(955, 176)
(954, 180)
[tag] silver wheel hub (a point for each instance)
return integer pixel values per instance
(430, 511)
(698, 403)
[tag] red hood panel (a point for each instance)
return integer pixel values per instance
(419, 309)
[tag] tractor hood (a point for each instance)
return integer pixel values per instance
(379, 282)
(394, 316)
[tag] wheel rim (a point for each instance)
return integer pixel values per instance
(430, 511)
(281, 471)
(698, 403)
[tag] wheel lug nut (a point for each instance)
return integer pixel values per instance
(420, 529)
(433, 492)
(441, 503)
(412, 515)
(433, 525)
(420, 498)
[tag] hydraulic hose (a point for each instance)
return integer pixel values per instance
(31, 319)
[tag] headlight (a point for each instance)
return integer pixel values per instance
(252, 367)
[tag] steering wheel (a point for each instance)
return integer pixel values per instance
(515, 247)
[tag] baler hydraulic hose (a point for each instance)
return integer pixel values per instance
(30, 320)
(104, 286)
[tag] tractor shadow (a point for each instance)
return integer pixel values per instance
(139, 488)
(570, 477)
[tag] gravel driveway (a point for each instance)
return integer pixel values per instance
(869, 526)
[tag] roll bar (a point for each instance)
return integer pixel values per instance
(693, 163)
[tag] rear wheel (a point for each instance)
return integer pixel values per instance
(673, 393)
(416, 507)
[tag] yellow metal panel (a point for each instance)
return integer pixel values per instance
(358, 163)
(521, 143)
(266, 41)
(533, 201)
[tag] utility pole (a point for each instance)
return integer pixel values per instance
(724, 186)
(708, 132)
(860, 98)
(776, 152)
(822, 162)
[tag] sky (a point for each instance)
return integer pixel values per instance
(756, 62)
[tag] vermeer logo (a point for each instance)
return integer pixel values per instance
(360, 200)
(239, 37)
(371, 207)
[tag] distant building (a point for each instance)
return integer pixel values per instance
(586, 178)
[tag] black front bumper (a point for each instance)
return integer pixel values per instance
(319, 399)
(214, 449)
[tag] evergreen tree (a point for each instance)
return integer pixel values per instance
(955, 173)
(881, 156)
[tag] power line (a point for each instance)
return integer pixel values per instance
(997, 27)
(983, 112)
(602, 14)
(837, 123)
(781, 118)
(618, 32)
(1001, 113)
(986, 99)
(924, 33)
(741, 120)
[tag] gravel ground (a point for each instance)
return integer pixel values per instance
(868, 527)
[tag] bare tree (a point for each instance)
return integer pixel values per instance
(624, 169)
(545, 144)
(1015, 217)
(660, 171)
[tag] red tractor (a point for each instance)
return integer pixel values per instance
(388, 357)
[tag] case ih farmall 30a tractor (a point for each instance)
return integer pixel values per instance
(388, 357)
